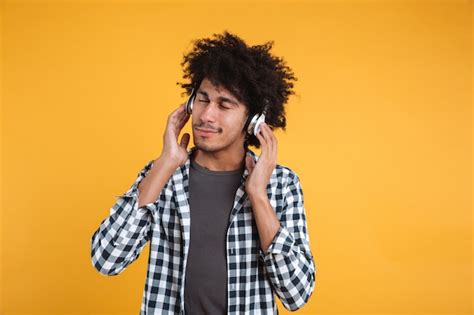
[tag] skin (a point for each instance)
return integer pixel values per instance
(221, 149)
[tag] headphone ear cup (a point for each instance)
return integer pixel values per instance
(259, 121)
(190, 102)
(251, 125)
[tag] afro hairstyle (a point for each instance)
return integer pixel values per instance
(251, 73)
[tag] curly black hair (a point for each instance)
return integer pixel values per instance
(250, 73)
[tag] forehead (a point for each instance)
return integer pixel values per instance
(219, 90)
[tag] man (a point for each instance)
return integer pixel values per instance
(227, 229)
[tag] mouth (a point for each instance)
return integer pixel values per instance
(205, 132)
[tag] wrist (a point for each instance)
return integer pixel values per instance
(164, 163)
(260, 195)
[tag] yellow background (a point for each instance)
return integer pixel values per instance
(380, 134)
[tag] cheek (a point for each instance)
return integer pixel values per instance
(232, 124)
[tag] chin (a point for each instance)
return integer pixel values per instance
(214, 145)
(207, 147)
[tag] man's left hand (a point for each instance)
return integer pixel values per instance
(259, 173)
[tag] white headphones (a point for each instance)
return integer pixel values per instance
(251, 124)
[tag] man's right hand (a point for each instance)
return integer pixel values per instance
(174, 154)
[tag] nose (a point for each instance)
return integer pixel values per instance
(209, 112)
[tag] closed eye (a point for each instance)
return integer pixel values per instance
(207, 101)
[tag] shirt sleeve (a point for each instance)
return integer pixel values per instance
(121, 236)
(288, 260)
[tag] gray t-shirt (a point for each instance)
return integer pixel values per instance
(211, 199)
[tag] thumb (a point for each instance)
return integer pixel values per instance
(185, 141)
(249, 163)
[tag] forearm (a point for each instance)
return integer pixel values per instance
(285, 250)
(120, 238)
(266, 219)
(150, 187)
(290, 268)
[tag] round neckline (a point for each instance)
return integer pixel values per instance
(204, 170)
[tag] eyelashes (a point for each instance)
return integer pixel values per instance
(206, 101)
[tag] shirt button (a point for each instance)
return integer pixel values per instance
(232, 251)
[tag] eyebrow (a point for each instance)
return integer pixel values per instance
(220, 98)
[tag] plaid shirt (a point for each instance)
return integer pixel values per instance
(253, 277)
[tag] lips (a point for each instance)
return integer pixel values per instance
(205, 132)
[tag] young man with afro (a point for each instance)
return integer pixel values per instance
(227, 228)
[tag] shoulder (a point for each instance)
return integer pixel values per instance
(285, 175)
(281, 172)
(143, 172)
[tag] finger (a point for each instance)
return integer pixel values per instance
(263, 143)
(182, 109)
(273, 140)
(177, 120)
(185, 141)
(271, 136)
(266, 134)
(178, 110)
(249, 164)
(179, 113)
(182, 122)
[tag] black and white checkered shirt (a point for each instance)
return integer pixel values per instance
(253, 277)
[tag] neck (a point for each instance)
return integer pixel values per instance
(228, 160)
